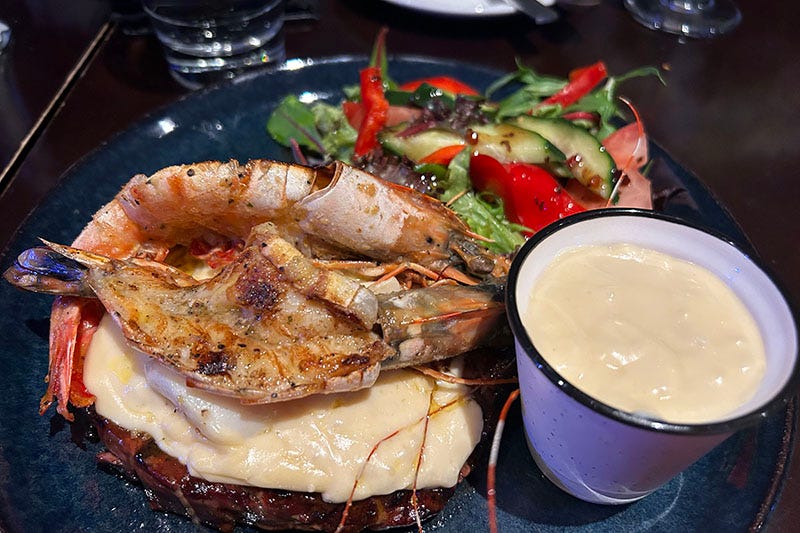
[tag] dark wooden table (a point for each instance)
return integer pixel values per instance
(72, 78)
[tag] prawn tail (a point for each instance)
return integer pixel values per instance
(73, 321)
(48, 271)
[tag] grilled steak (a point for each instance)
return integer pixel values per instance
(169, 486)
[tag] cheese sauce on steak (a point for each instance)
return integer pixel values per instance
(313, 445)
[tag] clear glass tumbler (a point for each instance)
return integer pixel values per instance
(5, 35)
(693, 18)
(206, 41)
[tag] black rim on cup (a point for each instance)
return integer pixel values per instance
(778, 400)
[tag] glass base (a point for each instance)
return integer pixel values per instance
(195, 72)
(692, 18)
(5, 35)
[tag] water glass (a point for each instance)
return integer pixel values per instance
(5, 35)
(206, 41)
(692, 18)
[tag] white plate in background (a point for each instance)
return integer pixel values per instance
(466, 8)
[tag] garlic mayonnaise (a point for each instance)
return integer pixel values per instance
(646, 332)
(315, 444)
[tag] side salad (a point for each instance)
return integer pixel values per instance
(547, 148)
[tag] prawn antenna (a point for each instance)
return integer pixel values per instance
(491, 491)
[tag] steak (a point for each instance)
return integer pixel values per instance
(169, 487)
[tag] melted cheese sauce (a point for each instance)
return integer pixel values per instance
(316, 444)
(646, 332)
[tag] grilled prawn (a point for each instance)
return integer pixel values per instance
(290, 315)
(271, 326)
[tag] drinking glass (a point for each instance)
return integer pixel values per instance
(206, 41)
(5, 35)
(693, 18)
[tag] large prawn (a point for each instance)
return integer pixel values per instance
(322, 222)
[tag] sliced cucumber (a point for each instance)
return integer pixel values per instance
(587, 159)
(507, 143)
(419, 145)
(504, 142)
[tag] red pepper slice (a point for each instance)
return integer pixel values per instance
(581, 82)
(445, 83)
(531, 196)
(488, 174)
(375, 110)
(443, 156)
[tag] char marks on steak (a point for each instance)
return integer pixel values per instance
(169, 487)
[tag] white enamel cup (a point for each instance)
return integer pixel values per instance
(604, 455)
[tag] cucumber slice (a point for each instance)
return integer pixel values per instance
(419, 145)
(587, 159)
(504, 142)
(507, 143)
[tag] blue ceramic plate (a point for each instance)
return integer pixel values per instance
(48, 476)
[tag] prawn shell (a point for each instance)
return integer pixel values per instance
(183, 202)
(364, 214)
(336, 213)
(439, 322)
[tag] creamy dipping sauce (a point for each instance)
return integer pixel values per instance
(646, 332)
(315, 444)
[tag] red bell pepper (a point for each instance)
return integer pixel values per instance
(581, 82)
(488, 174)
(442, 156)
(445, 83)
(375, 110)
(532, 197)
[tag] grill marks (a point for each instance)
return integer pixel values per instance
(212, 363)
(258, 286)
(169, 487)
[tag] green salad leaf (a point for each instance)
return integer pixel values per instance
(604, 101)
(378, 58)
(293, 120)
(338, 136)
(534, 88)
(320, 127)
